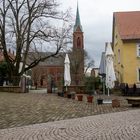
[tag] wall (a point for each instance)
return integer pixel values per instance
(126, 70)
(14, 89)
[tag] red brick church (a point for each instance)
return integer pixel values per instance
(51, 72)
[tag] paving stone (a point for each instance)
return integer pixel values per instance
(34, 108)
(111, 126)
(24, 109)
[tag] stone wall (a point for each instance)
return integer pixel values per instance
(15, 89)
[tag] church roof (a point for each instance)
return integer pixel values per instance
(77, 21)
(128, 24)
(58, 60)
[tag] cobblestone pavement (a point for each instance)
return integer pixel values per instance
(31, 108)
(112, 126)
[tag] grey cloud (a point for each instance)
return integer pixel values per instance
(96, 18)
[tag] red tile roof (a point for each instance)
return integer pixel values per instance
(128, 24)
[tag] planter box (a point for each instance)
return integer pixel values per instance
(135, 101)
(115, 103)
(99, 101)
(107, 101)
(80, 97)
(69, 96)
(90, 99)
(14, 89)
(59, 93)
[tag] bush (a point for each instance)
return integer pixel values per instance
(89, 85)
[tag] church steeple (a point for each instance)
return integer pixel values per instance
(77, 21)
(78, 41)
(78, 52)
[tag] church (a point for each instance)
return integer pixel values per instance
(50, 73)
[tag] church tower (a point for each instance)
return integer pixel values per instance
(78, 32)
(77, 66)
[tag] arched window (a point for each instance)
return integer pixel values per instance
(78, 42)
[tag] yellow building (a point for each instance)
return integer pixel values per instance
(126, 46)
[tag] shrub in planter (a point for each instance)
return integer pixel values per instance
(89, 88)
(73, 94)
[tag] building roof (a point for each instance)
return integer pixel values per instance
(102, 67)
(58, 60)
(128, 24)
(77, 21)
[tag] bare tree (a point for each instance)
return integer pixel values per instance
(80, 64)
(89, 63)
(77, 65)
(29, 25)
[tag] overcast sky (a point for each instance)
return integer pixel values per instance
(96, 19)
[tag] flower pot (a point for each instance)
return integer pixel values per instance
(65, 95)
(100, 101)
(62, 94)
(80, 97)
(69, 96)
(89, 99)
(115, 103)
(59, 94)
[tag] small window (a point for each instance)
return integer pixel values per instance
(78, 42)
(138, 50)
(116, 40)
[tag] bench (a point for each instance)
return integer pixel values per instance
(135, 101)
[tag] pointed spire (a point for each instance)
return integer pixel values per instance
(77, 16)
(77, 21)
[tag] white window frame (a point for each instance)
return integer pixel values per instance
(138, 49)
